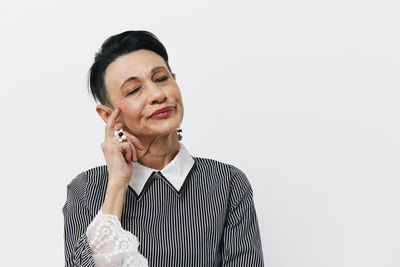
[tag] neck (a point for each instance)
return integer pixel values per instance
(158, 150)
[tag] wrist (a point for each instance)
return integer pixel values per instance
(115, 198)
(116, 182)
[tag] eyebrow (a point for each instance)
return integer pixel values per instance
(135, 78)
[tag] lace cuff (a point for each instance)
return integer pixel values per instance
(111, 245)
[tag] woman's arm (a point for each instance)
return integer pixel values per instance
(241, 237)
(111, 245)
(119, 157)
(104, 242)
(100, 241)
(115, 198)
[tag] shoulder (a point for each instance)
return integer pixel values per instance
(207, 163)
(86, 190)
(92, 175)
(229, 176)
(81, 183)
(235, 176)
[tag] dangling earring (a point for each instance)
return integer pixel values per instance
(179, 131)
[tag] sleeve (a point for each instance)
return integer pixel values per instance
(111, 245)
(241, 235)
(95, 242)
(76, 219)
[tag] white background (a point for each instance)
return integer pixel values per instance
(303, 96)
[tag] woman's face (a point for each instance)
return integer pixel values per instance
(140, 83)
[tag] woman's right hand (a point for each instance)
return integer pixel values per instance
(119, 156)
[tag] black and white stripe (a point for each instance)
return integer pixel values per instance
(211, 221)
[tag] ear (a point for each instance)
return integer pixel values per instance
(104, 113)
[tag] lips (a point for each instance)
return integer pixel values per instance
(162, 110)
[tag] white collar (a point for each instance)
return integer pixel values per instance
(175, 171)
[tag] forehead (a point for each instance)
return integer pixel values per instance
(138, 63)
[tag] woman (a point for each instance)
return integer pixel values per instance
(153, 203)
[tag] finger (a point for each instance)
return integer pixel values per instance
(128, 152)
(123, 147)
(109, 130)
(134, 140)
(134, 154)
(132, 149)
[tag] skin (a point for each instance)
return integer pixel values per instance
(153, 143)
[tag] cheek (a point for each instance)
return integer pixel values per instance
(131, 112)
(179, 99)
(176, 93)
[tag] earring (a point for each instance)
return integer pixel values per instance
(179, 131)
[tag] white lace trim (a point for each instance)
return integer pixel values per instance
(111, 245)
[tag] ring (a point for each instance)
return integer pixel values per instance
(122, 136)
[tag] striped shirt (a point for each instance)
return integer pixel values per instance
(206, 219)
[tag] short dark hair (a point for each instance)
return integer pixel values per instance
(114, 47)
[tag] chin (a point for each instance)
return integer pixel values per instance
(164, 127)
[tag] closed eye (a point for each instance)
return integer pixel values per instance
(134, 91)
(162, 79)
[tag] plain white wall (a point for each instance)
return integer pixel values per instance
(303, 96)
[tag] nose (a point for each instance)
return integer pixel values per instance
(156, 95)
